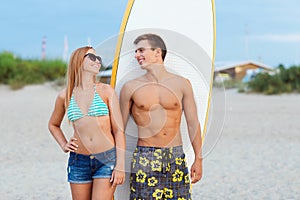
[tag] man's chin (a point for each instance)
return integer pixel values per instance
(144, 66)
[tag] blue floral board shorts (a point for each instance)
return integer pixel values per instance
(159, 173)
(84, 168)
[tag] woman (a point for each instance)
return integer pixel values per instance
(96, 161)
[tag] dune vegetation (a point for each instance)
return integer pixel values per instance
(18, 72)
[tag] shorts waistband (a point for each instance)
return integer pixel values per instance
(175, 149)
(99, 156)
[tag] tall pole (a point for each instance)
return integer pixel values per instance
(44, 40)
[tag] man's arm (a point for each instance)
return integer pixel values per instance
(190, 112)
(125, 103)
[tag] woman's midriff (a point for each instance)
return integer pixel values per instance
(93, 135)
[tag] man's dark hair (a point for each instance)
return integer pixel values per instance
(155, 42)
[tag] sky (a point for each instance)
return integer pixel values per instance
(266, 31)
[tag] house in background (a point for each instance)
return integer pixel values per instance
(242, 71)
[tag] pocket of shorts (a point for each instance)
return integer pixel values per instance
(71, 160)
(111, 157)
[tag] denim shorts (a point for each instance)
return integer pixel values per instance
(84, 168)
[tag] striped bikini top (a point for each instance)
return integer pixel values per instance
(97, 108)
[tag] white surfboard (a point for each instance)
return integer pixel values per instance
(188, 29)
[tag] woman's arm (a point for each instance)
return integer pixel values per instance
(54, 125)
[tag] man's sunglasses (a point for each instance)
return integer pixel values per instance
(93, 57)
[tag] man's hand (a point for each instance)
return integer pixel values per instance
(117, 177)
(196, 170)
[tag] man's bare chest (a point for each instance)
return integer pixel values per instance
(149, 96)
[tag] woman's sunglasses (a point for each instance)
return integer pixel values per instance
(93, 57)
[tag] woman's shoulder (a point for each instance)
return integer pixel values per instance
(62, 94)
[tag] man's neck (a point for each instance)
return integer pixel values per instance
(156, 73)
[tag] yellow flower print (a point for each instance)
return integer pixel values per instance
(181, 198)
(179, 161)
(167, 154)
(156, 165)
(168, 167)
(132, 189)
(158, 194)
(157, 154)
(141, 176)
(144, 161)
(133, 163)
(186, 179)
(177, 176)
(152, 181)
(168, 193)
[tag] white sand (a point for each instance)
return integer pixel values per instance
(257, 156)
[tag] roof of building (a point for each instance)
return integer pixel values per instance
(223, 65)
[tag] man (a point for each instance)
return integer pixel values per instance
(156, 101)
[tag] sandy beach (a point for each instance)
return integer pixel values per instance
(257, 155)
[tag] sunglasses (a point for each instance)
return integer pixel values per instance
(93, 57)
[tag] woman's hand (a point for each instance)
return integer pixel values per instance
(70, 146)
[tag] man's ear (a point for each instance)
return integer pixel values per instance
(158, 52)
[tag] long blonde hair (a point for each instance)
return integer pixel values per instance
(74, 73)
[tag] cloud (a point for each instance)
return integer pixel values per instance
(277, 37)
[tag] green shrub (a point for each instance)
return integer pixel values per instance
(290, 77)
(285, 81)
(30, 72)
(17, 72)
(7, 66)
(268, 84)
(53, 69)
